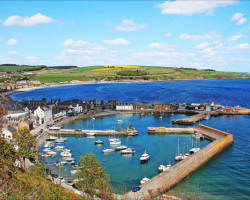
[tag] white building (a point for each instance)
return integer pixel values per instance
(44, 114)
(75, 107)
(124, 106)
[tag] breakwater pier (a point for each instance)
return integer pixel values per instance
(168, 179)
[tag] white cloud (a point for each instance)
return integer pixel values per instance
(99, 48)
(2, 37)
(108, 23)
(12, 42)
(241, 21)
(117, 42)
(158, 45)
(208, 36)
(190, 54)
(208, 52)
(210, 13)
(237, 16)
(130, 25)
(32, 58)
(182, 7)
(28, 21)
(239, 46)
(234, 38)
(70, 43)
(168, 34)
(219, 45)
(13, 52)
(76, 52)
(202, 45)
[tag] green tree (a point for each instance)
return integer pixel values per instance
(26, 144)
(6, 150)
(93, 178)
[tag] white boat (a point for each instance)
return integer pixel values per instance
(70, 159)
(108, 150)
(47, 149)
(51, 138)
(59, 141)
(53, 153)
(90, 134)
(145, 157)
(67, 150)
(99, 142)
(119, 120)
(112, 139)
(144, 180)
(116, 142)
(93, 118)
(160, 117)
(57, 163)
(162, 168)
(197, 136)
(179, 156)
(66, 154)
(46, 155)
(132, 134)
(207, 117)
(194, 150)
(121, 148)
(59, 147)
(128, 151)
(78, 167)
(48, 145)
(74, 171)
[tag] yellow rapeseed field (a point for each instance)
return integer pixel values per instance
(120, 66)
(101, 69)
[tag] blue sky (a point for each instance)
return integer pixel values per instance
(199, 34)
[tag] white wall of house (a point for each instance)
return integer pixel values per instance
(77, 108)
(6, 134)
(43, 115)
(124, 107)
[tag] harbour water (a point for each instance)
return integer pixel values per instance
(225, 177)
(126, 170)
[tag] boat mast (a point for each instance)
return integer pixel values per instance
(178, 148)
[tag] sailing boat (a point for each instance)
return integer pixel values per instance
(179, 156)
(194, 150)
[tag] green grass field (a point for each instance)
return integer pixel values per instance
(11, 68)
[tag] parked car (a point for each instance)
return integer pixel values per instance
(62, 179)
(136, 188)
(41, 130)
(54, 175)
(78, 130)
(70, 183)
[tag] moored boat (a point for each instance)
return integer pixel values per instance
(108, 150)
(46, 149)
(116, 142)
(144, 157)
(144, 180)
(74, 171)
(57, 163)
(66, 154)
(59, 147)
(99, 142)
(119, 120)
(51, 138)
(53, 153)
(90, 134)
(121, 148)
(74, 162)
(128, 151)
(70, 159)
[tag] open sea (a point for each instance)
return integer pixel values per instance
(226, 176)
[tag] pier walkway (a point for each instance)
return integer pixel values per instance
(168, 179)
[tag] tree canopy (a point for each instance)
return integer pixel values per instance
(93, 178)
(26, 144)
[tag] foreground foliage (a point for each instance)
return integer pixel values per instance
(93, 178)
